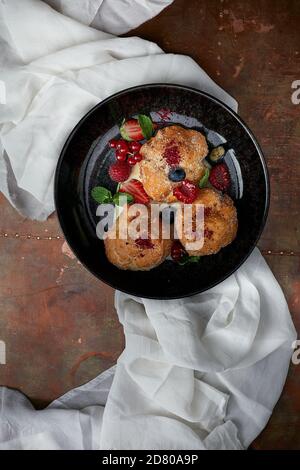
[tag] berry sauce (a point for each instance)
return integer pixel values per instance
(207, 211)
(164, 114)
(171, 154)
(208, 233)
(144, 243)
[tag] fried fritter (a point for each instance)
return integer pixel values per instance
(142, 253)
(172, 147)
(220, 223)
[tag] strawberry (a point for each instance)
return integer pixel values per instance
(137, 129)
(219, 177)
(131, 130)
(186, 192)
(119, 171)
(136, 189)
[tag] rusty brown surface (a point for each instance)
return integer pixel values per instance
(58, 321)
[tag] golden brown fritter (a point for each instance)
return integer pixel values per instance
(171, 147)
(135, 254)
(220, 222)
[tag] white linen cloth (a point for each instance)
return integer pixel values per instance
(53, 70)
(197, 373)
(114, 16)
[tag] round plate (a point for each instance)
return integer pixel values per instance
(84, 163)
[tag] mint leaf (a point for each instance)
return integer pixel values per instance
(121, 198)
(101, 194)
(203, 181)
(189, 259)
(194, 259)
(146, 125)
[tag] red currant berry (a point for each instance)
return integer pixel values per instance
(122, 150)
(134, 146)
(137, 157)
(122, 145)
(131, 161)
(121, 156)
(113, 143)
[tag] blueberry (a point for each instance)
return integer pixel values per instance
(177, 174)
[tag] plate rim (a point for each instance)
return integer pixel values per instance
(186, 88)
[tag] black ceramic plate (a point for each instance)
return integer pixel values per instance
(84, 162)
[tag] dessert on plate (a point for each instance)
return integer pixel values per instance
(169, 165)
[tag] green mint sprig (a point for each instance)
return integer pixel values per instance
(104, 196)
(186, 259)
(146, 125)
(204, 180)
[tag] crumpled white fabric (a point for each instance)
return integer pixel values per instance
(113, 16)
(54, 69)
(197, 373)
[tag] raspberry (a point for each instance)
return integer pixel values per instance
(171, 154)
(186, 192)
(219, 177)
(177, 251)
(119, 171)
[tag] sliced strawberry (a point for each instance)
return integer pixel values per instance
(186, 192)
(220, 177)
(131, 130)
(136, 189)
(119, 171)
